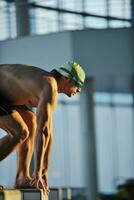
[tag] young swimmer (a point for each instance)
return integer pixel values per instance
(21, 88)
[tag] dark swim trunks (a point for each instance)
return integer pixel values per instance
(7, 109)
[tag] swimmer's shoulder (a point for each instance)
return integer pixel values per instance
(52, 83)
(18, 66)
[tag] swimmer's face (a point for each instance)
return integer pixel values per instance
(71, 88)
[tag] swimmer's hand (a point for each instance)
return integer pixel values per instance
(37, 181)
(45, 182)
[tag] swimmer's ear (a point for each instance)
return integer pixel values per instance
(64, 78)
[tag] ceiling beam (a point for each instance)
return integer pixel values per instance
(84, 14)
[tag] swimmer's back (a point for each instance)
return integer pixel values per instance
(17, 80)
(21, 71)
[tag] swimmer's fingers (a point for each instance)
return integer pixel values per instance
(38, 183)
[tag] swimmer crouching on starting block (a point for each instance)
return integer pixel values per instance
(22, 86)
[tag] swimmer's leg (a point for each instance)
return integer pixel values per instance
(25, 152)
(17, 133)
(17, 130)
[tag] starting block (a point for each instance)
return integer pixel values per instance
(24, 194)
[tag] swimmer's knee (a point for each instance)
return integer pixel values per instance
(21, 135)
(24, 134)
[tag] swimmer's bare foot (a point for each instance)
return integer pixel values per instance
(47, 190)
(24, 182)
(38, 182)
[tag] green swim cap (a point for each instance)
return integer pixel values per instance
(74, 71)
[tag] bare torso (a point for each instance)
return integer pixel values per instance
(23, 84)
(30, 86)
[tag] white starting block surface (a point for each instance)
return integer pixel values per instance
(25, 194)
(34, 194)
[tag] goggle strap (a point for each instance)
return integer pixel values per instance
(66, 70)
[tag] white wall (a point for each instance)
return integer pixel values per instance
(101, 52)
(105, 52)
(42, 51)
(107, 55)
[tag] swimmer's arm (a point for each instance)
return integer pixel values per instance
(44, 110)
(44, 115)
(48, 153)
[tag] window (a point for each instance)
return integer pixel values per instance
(114, 139)
(72, 5)
(96, 7)
(94, 22)
(7, 20)
(58, 15)
(71, 22)
(45, 21)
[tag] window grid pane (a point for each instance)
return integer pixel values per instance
(96, 7)
(71, 22)
(72, 5)
(43, 20)
(114, 139)
(94, 22)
